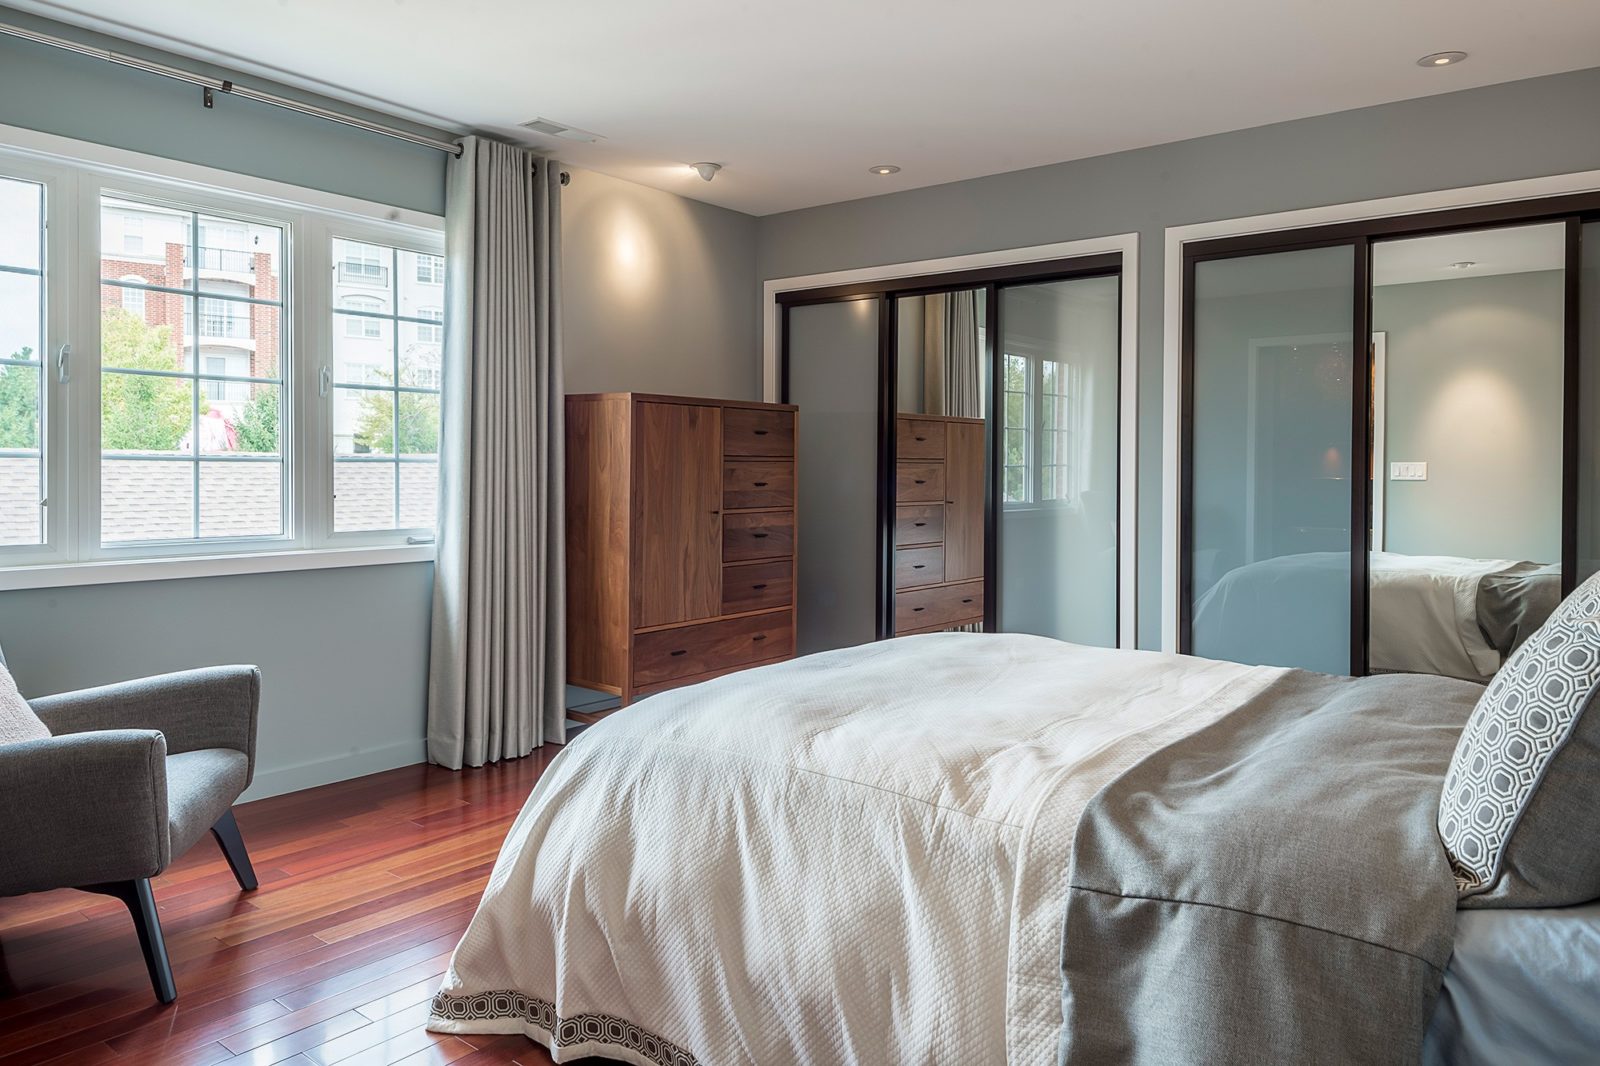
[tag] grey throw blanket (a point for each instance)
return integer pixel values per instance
(1270, 889)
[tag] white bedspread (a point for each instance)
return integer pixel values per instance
(855, 857)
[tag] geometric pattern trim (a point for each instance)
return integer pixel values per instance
(564, 1032)
(1529, 711)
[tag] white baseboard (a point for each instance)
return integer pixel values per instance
(276, 780)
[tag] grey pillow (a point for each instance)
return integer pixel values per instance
(17, 720)
(1520, 811)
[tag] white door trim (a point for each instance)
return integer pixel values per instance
(1128, 414)
(1172, 321)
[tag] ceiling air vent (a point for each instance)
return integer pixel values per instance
(552, 128)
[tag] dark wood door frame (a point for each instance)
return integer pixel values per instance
(990, 279)
(1573, 211)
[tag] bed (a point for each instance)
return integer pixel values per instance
(1430, 614)
(980, 848)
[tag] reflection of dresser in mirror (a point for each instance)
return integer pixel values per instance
(939, 523)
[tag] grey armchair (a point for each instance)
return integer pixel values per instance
(133, 775)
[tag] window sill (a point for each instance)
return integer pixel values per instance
(117, 571)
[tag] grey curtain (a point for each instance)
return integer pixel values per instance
(951, 380)
(496, 682)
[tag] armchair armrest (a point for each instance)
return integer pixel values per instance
(83, 809)
(214, 707)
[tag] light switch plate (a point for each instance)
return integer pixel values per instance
(1408, 471)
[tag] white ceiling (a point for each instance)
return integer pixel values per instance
(797, 100)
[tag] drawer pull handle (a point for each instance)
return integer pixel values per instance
(761, 433)
(921, 482)
(919, 525)
(967, 600)
(683, 652)
(915, 609)
(759, 636)
(759, 587)
(918, 566)
(758, 536)
(921, 439)
(760, 484)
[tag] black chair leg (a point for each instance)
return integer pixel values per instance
(227, 833)
(141, 902)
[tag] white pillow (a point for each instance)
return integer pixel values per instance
(17, 720)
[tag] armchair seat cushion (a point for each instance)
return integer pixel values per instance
(17, 720)
(201, 786)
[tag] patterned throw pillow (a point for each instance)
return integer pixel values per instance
(17, 720)
(1520, 811)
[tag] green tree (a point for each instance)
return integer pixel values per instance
(419, 423)
(139, 412)
(19, 404)
(257, 427)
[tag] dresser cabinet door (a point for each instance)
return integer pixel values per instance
(677, 495)
(963, 520)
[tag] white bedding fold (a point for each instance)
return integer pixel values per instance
(853, 857)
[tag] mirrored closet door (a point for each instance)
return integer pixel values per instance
(1417, 502)
(960, 453)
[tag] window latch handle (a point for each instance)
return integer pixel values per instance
(324, 376)
(63, 368)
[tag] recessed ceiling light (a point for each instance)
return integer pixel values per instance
(707, 171)
(1441, 59)
(883, 169)
(1465, 264)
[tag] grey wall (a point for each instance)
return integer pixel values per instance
(1523, 129)
(1473, 388)
(658, 292)
(344, 652)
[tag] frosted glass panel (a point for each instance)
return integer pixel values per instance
(1272, 379)
(1058, 523)
(833, 377)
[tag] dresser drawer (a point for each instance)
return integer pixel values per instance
(669, 654)
(757, 483)
(755, 586)
(751, 431)
(917, 482)
(918, 566)
(918, 438)
(947, 605)
(921, 523)
(757, 536)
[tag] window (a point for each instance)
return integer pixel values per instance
(386, 379)
(22, 400)
(433, 334)
(1042, 430)
(430, 269)
(355, 326)
(133, 296)
(190, 436)
(191, 420)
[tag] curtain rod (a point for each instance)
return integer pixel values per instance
(221, 85)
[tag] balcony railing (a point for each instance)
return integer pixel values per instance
(230, 260)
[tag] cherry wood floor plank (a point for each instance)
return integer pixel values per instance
(366, 888)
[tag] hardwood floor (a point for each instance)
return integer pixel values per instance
(366, 886)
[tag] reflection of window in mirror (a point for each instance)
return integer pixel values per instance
(1468, 382)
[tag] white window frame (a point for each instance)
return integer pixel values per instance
(75, 175)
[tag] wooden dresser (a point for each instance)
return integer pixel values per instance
(939, 520)
(680, 539)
